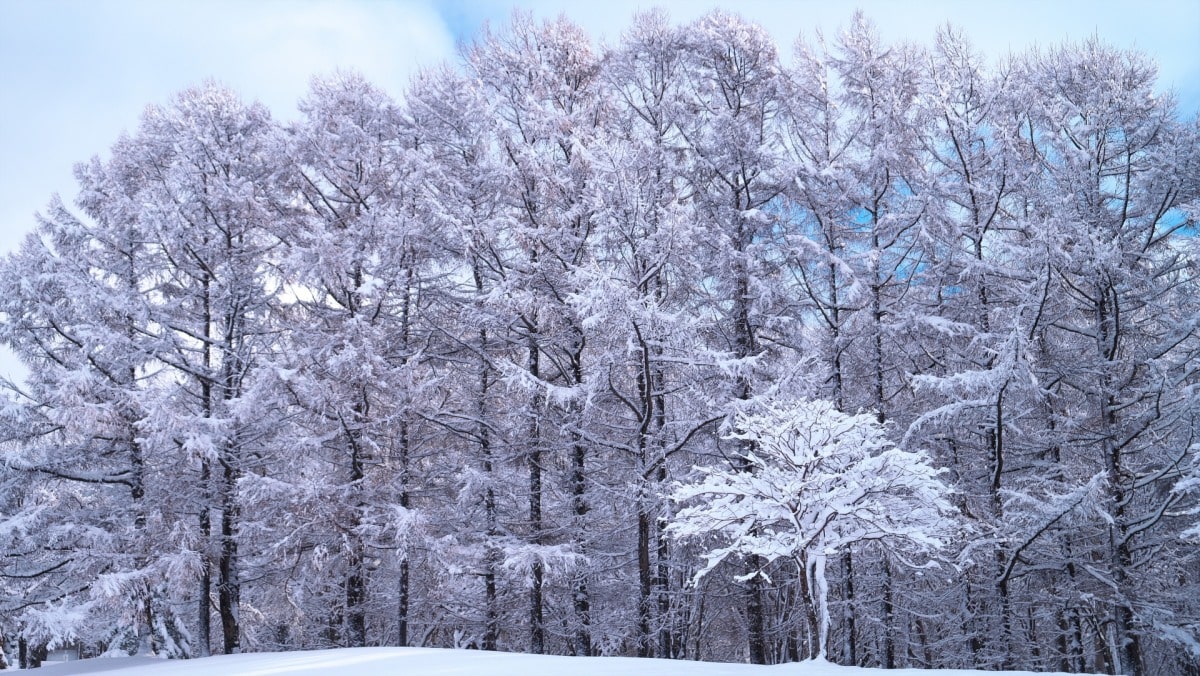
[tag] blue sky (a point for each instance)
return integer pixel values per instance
(74, 74)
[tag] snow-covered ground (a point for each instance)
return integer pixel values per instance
(438, 662)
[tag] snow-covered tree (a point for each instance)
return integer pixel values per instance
(1116, 192)
(105, 566)
(544, 114)
(207, 206)
(732, 134)
(637, 304)
(816, 481)
(359, 264)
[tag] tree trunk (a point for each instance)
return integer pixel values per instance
(402, 604)
(356, 592)
(644, 597)
(491, 527)
(356, 583)
(810, 604)
(580, 597)
(537, 632)
(403, 582)
(662, 580)
(755, 620)
(229, 583)
(206, 401)
(851, 632)
(403, 592)
(889, 617)
(1127, 649)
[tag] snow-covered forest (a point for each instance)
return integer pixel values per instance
(677, 347)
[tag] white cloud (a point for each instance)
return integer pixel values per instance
(386, 42)
(74, 75)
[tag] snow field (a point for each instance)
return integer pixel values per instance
(445, 662)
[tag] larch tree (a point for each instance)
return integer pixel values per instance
(357, 262)
(541, 81)
(1116, 185)
(637, 305)
(208, 212)
(732, 135)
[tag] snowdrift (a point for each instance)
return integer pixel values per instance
(442, 662)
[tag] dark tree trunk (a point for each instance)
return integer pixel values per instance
(491, 611)
(537, 631)
(356, 583)
(204, 601)
(356, 592)
(580, 596)
(204, 611)
(755, 614)
(662, 579)
(809, 601)
(229, 583)
(403, 582)
(851, 630)
(644, 598)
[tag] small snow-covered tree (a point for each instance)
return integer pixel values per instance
(818, 480)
